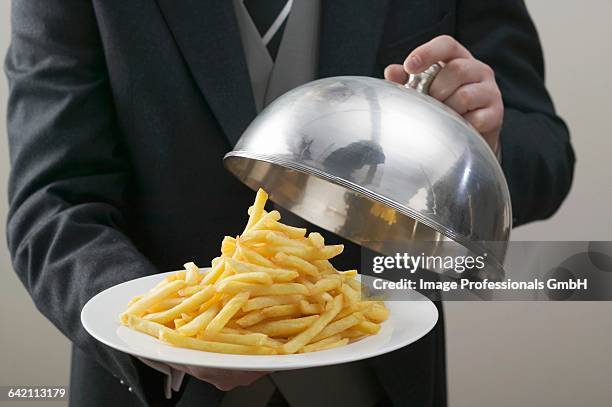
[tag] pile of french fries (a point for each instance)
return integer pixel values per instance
(272, 291)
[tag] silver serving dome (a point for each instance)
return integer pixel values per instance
(382, 165)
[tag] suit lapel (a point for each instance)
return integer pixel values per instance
(206, 32)
(350, 35)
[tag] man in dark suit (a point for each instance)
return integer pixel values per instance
(119, 115)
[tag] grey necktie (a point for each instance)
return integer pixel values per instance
(270, 18)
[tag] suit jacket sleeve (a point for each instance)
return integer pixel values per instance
(68, 172)
(537, 157)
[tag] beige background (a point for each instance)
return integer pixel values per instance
(499, 354)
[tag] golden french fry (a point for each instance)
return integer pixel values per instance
(250, 211)
(282, 275)
(361, 306)
(309, 309)
(166, 304)
(313, 330)
(290, 231)
(349, 274)
(146, 302)
(193, 276)
(215, 299)
(327, 252)
(322, 298)
(306, 282)
(377, 313)
(250, 339)
(378, 301)
(228, 271)
(239, 314)
(269, 301)
(207, 346)
(278, 275)
(351, 296)
(324, 285)
(320, 345)
(285, 310)
(275, 311)
(304, 252)
(257, 209)
(339, 326)
(270, 217)
(353, 333)
(228, 246)
(254, 236)
(368, 327)
(190, 290)
(243, 338)
(297, 263)
(214, 273)
(324, 266)
(252, 277)
(157, 287)
(316, 239)
(284, 327)
(227, 330)
(200, 322)
(190, 304)
(325, 345)
(344, 278)
(274, 343)
(261, 339)
(250, 319)
(187, 317)
(253, 257)
(280, 239)
(233, 287)
(141, 325)
(227, 312)
(270, 251)
(233, 325)
(134, 299)
(355, 285)
(179, 275)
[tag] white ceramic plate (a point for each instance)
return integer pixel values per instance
(409, 320)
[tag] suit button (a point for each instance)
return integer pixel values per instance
(130, 389)
(121, 381)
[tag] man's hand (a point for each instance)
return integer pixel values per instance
(465, 84)
(222, 379)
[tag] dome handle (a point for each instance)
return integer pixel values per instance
(421, 81)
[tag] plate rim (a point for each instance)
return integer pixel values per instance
(123, 346)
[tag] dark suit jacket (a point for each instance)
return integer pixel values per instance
(119, 115)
